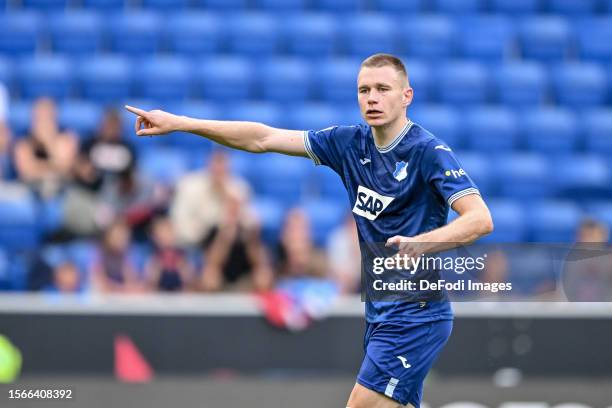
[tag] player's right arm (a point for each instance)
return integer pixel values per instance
(249, 136)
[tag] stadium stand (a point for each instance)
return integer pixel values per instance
(521, 89)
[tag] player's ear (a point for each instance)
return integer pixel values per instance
(407, 95)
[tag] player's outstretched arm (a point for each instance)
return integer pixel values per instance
(249, 136)
(474, 221)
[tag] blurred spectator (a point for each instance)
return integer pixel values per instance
(39, 273)
(234, 253)
(5, 135)
(133, 198)
(113, 270)
(168, 268)
(66, 279)
(344, 256)
(588, 268)
(107, 153)
(201, 198)
(297, 255)
(102, 159)
(592, 231)
(45, 158)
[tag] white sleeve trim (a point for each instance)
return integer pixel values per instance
(309, 151)
(462, 193)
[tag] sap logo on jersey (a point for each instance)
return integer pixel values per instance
(370, 204)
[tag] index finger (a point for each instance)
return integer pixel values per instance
(137, 111)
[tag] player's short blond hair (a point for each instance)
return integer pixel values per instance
(383, 60)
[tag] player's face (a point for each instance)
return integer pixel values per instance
(383, 95)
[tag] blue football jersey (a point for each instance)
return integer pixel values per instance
(404, 188)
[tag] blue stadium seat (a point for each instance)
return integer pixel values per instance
(106, 78)
(428, 36)
(399, 6)
(5, 271)
(6, 72)
(76, 32)
(81, 116)
(285, 79)
(550, 130)
(491, 129)
(281, 5)
(280, 177)
(83, 254)
(554, 221)
(510, 222)
(225, 78)
(51, 215)
(19, 32)
(486, 37)
(523, 176)
(462, 82)
(479, 169)
(441, 120)
(593, 35)
(421, 80)
(337, 80)
(193, 33)
(166, 5)
(163, 165)
(270, 214)
(545, 38)
(521, 84)
(572, 7)
(351, 114)
(313, 116)
(580, 85)
(135, 32)
(579, 176)
(106, 5)
(265, 112)
(455, 7)
(368, 33)
(516, 6)
(45, 5)
(19, 117)
(597, 127)
(221, 5)
(342, 6)
(165, 78)
(19, 228)
(325, 215)
(311, 35)
(601, 211)
(50, 76)
(253, 34)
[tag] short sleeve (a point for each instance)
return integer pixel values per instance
(442, 171)
(325, 147)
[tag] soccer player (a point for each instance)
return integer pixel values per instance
(401, 182)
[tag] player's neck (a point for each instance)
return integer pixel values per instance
(384, 135)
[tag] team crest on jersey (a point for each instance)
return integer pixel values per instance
(401, 171)
(370, 204)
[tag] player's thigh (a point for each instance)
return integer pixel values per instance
(362, 397)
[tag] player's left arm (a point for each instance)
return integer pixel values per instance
(474, 221)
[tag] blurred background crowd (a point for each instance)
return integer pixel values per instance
(520, 89)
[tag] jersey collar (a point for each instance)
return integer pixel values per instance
(395, 141)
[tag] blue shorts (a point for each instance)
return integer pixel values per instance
(398, 356)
